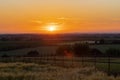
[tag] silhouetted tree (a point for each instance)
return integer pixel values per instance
(102, 41)
(96, 42)
(33, 54)
(81, 49)
(62, 50)
(4, 56)
(96, 52)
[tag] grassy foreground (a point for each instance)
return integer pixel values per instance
(32, 71)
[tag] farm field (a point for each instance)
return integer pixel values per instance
(19, 44)
(114, 68)
(33, 71)
(16, 45)
(100, 63)
(104, 47)
(42, 50)
(52, 49)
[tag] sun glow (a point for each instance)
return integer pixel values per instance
(51, 28)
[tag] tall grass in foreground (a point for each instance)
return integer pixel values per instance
(32, 71)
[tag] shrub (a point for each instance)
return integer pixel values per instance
(33, 54)
(81, 49)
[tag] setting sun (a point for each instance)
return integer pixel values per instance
(51, 28)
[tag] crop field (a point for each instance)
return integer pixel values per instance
(34, 71)
(100, 64)
(42, 50)
(52, 49)
(23, 47)
(57, 67)
(103, 48)
(14, 44)
(114, 68)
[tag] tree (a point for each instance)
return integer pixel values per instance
(96, 52)
(81, 49)
(102, 41)
(33, 54)
(63, 50)
(5, 56)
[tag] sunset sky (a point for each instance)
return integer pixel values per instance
(69, 16)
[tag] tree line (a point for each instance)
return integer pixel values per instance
(76, 50)
(84, 50)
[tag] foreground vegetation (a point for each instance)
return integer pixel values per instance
(32, 71)
(101, 64)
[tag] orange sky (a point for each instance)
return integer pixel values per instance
(81, 16)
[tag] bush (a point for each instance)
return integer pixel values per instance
(96, 53)
(4, 56)
(62, 50)
(81, 49)
(33, 54)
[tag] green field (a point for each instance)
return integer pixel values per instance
(19, 43)
(13, 45)
(42, 50)
(103, 48)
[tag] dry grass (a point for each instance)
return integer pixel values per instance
(32, 71)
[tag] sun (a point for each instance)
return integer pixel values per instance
(52, 28)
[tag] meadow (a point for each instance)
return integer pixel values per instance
(19, 52)
(104, 47)
(101, 64)
(34, 71)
